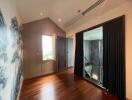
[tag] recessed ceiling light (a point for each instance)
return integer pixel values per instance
(41, 14)
(60, 20)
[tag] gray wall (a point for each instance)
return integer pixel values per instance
(32, 37)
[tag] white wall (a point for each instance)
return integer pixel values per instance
(124, 9)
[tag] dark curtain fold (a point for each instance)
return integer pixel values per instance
(114, 57)
(78, 70)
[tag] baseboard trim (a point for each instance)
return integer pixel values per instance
(21, 83)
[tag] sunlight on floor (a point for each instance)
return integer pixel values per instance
(48, 92)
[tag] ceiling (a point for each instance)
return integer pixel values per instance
(31, 10)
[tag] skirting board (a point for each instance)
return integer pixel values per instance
(21, 83)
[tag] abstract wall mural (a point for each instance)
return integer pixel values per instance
(11, 58)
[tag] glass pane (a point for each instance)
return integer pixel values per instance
(93, 55)
(47, 46)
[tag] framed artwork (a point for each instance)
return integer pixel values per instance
(3, 54)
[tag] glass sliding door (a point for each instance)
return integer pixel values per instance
(93, 55)
(70, 62)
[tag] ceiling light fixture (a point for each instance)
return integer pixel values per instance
(41, 14)
(60, 20)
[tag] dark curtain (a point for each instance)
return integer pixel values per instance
(61, 53)
(78, 70)
(114, 57)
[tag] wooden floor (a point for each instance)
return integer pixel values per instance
(62, 86)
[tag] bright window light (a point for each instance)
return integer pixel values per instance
(47, 46)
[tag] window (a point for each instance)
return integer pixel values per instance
(47, 47)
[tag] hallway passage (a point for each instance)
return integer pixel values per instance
(62, 86)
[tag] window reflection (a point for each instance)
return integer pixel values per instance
(93, 55)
